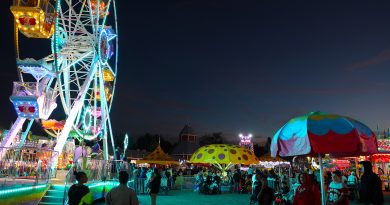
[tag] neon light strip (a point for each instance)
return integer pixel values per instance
(10, 191)
(104, 184)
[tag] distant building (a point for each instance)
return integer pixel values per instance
(187, 145)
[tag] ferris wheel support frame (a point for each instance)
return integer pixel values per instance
(16, 127)
(71, 117)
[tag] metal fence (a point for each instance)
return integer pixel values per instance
(185, 182)
(25, 166)
(96, 171)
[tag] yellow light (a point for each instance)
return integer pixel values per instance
(25, 28)
(21, 13)
(19, 26)
(33, 29)
(17, 20)
(29, 13)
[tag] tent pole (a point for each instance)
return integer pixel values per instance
(356, 166)
(321, 180)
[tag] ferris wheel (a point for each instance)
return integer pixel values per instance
(80, 68)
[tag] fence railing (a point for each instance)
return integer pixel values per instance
(96, 170)
(185, 182)
(26, 165)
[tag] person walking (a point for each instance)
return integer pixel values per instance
(352, 179)
(79, 194)
(122, 194)
(352, 184)
(236, 180)
(79, 156)
(337, 192)
(154, 186)
(306, 193)
(266, 194)
(370, 186)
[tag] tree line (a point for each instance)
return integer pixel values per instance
(149, 142)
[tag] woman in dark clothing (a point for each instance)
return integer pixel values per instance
(154, 182)
(370, 186)
(78, 191)
(266, 194)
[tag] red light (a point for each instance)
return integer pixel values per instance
(22, 20)
(31, 109)
(31, 21)
(21, 108)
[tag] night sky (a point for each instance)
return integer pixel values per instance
(238, 66)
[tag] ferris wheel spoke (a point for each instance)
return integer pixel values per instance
(79, 22)
(74, 21)
(63, 22)
(77, 60)
(107, 124)
(112, 37)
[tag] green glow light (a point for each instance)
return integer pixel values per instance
(22, 189)
(104, 184)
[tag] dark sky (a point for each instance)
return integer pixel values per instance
(239, 66)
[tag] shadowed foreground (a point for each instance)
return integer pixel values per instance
(192, 198)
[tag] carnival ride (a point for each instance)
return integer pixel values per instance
(80, 69)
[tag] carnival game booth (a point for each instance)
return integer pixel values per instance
(381, 162)
(269, 162)
(317, 133)
(157, 158)
(223, 157)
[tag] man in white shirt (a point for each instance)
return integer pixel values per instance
(122, 194)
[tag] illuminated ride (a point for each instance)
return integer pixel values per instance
(80, 68)
(246, 141)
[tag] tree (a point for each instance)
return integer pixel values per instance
(259, 150)
(268, 144)
(150, 142)
(214, 138)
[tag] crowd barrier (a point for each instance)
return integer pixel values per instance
(28, 166)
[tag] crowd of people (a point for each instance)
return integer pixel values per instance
(265, 187)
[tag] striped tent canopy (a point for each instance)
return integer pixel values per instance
(267, 158)
(158, 156)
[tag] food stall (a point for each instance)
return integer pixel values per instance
(381, 162)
